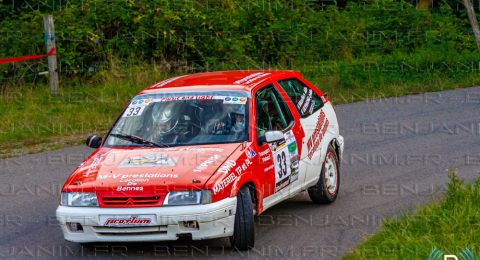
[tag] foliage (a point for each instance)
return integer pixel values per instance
(224, 34)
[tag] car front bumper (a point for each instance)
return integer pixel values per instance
(212, 221)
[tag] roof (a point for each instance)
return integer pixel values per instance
(240, 79)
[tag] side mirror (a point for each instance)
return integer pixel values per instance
(274, 136)
(94, 141)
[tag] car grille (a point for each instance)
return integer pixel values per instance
(130, 201)
(130, 231)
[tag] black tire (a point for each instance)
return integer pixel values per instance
(244, 229)
(319, 193)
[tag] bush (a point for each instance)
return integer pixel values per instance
(229, 34)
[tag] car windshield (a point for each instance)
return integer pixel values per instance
(187, 118)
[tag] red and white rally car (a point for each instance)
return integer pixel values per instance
(200, 155)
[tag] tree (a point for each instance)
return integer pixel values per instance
(473, 20)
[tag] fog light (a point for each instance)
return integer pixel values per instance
(190, 224)
(75, 227)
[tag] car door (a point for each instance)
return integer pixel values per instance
(309, 106)
(280, 159)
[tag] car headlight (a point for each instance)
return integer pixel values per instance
(190, 197)
(79, 199)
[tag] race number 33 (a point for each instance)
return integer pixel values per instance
(282, 167)
(133, 111)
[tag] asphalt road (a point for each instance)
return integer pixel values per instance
(397, 155)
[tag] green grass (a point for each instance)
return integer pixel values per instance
(32, 121)
(450, 225)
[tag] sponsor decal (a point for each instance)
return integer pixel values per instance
(277, 146)
(227, 166)
(265, 155)
(269, 168)
(306, 102)
(152, 160)
(250, 153)
(205, 149)
(137, 106)
(234, 100)
(285, 161)
(239, 170)
(130, 182)
(136, 176)
(294, 167)
(324, 100)
(243, 167)
(134, 220)
(316, 138)
(224, 183)
(292, 147)
(196, 149)
(289, 137)
(165, 82)
(129, 188)
(212, 159)
(94, 165)
(251, 78)
(202, 97)
(266, 158)
(264, 152)
(302, 99)
(134, 110)
(312, 106)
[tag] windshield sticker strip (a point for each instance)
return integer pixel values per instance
(234, 100)
(226, 99)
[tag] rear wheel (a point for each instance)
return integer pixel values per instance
(326, 189)
(244, 230)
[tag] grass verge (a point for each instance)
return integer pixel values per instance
(448, 227)
(32, 121)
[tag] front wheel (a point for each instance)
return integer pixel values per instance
(326, 189)
(244, 229)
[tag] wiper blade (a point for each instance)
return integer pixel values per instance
(138, 140)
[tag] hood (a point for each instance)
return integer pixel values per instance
(148, 171)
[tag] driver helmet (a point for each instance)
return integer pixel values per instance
(237, 113)
(165, 118)
(239, 110)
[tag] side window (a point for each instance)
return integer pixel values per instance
(304, 99)
(272, 111)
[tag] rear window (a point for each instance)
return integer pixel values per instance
(306, 101)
